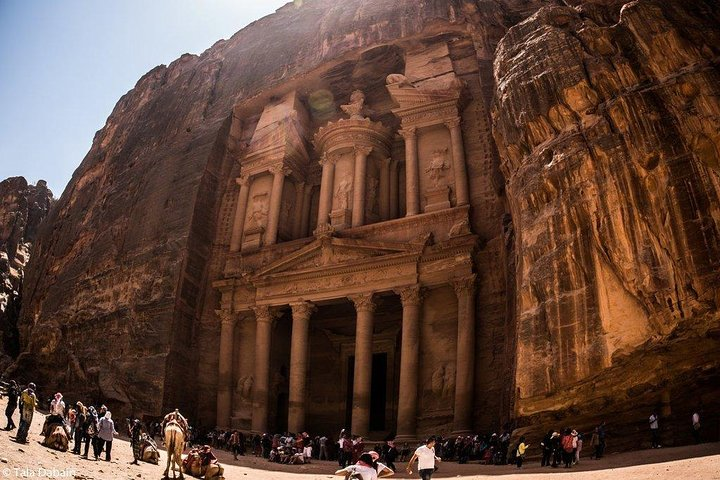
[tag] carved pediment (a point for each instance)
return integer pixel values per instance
(328, 253)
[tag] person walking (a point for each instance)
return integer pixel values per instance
(546, 445)
(28, 403)
(425, 455)
(567, 447)
(580, 438)
(135, 432)
(696, 426)
(391, 454)
(78, 424)
(601, 441)
(90, 429)
(13, 394)
(655, 430)
(520, 454)
(106, 432)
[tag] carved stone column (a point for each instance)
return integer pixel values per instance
(358, 208)
(458, 153)
(306, 207)
(279, 172)
(465, 366)
(298, 213)
(385, 189)
(243, 376)
(240, 213)
(224, 392)
(265, 319)
(301, 313)
(365, 308)
(326, 190)
(411, 298)
(412, 182)
(394, 189)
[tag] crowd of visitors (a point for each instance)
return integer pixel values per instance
(84, 426)
(88, 426)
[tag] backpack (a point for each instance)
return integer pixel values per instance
(567, 443)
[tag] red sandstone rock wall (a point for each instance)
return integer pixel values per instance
(607, 123)
(22, 209)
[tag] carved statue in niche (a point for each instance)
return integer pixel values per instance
(259, 213)
(285, 209)
(244, 387)
(438, 165)
(438, 380)
(372, 198)
(356, 107)
(448, 381)
(340, 198)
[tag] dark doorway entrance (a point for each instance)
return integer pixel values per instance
(282, 412)
(378, 391)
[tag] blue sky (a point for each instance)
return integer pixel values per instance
(65, 63)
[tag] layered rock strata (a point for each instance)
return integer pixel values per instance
(607, 124)
(22, 209)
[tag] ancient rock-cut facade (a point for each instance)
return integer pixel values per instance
(401, 216)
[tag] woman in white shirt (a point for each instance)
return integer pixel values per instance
(363, 469)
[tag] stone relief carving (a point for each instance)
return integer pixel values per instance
(397, 79)
(356, 107)
(371, 201)
(244, 387)
(342, 192)
(259, 213)
(460, 228)
(438, 165)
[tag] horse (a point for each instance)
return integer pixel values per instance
(175, 444)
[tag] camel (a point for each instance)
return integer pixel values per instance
(57, 438)
(175, 444)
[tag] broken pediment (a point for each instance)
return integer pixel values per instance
(335, 252)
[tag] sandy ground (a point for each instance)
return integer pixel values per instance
(33, 460)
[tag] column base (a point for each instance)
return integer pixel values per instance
(410, 439)
(461, 433)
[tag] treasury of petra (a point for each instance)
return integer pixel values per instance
(404, 217)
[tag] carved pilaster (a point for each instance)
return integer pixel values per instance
(412, 181)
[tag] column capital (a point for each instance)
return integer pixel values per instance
(411, 295)
(363, 302)
(243, 180)
(226, 317)
(363, 150)
(265, 314)
(279, 170)
(386, 162)
(302, 309)
(453, 122)
(327, 158)
(464, 285)
(408, 133)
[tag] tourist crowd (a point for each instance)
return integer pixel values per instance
(91, 426)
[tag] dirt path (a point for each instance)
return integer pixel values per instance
(32, 460)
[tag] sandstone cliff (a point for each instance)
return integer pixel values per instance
(607, 123)
(596, 204)
(22, 209)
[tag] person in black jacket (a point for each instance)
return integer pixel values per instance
(13, 393)
(547, 449)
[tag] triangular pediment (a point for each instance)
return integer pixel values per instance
(329, 253)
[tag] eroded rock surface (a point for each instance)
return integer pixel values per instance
(22, 209)
(607, 124)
